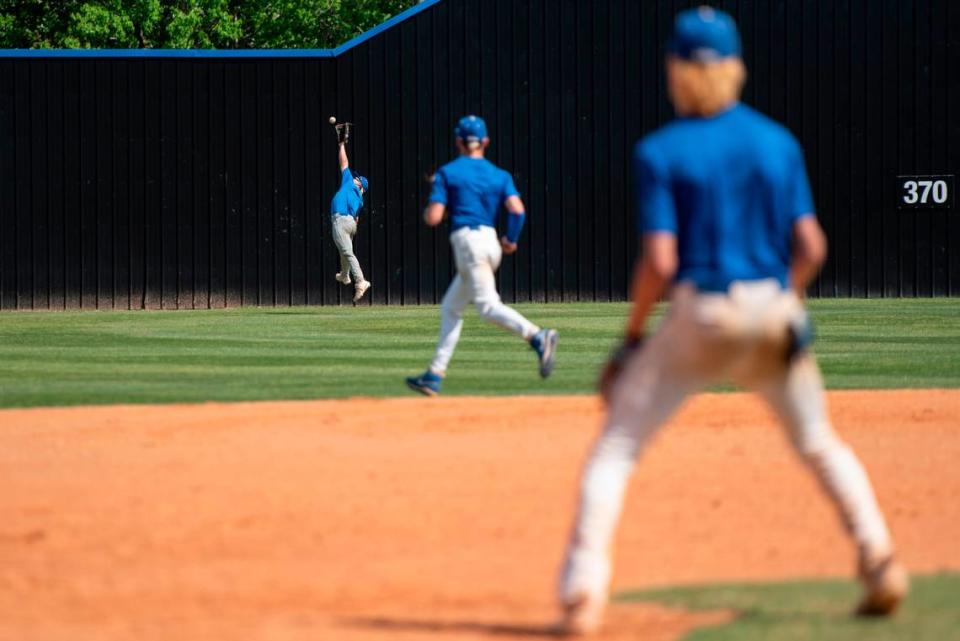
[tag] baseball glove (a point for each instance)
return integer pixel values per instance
(343, 133)
(615, 364)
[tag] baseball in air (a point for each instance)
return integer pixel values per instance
(333, 120)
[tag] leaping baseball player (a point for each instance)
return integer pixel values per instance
(474, 190)
(344, 213)
(726, 219)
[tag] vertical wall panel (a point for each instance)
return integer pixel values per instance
(837, 129)
(120, 183)
(169, 186)
(281, 183)
(201, 155)
(265, 232)
(104, 214)
(87, 124)
(55, 184)
(600, 138)
(534, 199)
(569, 194)
(40, 187)
(153, 187)
(618, 184)
(8, 187)
(447, 100)
(426, 287)
(217, 176)
(519, 30)
(205, 180)
(233, 204)
(249, 232)
(874, 110)
(23, 233)
(408, 193)
(296, 171)
(953, 140)
(327, 176)
(136, 197)
(501, 82)
(554, 142)
(391, 178)
(939, 133)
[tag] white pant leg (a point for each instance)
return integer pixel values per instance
(647, 393)
(451, 321)
(344, 229)
(478, 255)
(799, 401)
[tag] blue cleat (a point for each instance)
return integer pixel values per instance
(544, 343)
(427, 383)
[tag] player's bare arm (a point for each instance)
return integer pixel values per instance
(652, 274)
(514, 208)
(809, 252)
(344, 161)
(433, 214)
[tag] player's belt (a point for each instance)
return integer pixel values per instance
(472, 227)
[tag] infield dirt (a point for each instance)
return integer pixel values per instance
(424, 519)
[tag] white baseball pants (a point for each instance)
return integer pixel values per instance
(344, 229)
(741, 337)
(477, 253)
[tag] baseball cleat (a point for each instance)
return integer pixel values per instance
(344, 278)
(886, 583)
(427, 383)
(360, 290)
(582, 616)
(544, 343)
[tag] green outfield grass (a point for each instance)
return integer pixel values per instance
(816, 611)
(57, 358)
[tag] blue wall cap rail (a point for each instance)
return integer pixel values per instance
(220, 53)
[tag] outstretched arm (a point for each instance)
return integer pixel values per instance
(344, 161)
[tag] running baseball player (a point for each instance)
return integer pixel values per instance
(474, 190)
(726, 217)
(344, 213)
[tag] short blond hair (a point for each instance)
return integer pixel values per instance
(704, 88)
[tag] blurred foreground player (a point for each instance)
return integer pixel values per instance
(727, 219)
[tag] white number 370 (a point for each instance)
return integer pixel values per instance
(923, 191)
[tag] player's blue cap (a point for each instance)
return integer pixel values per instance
(704, 34)
(363, 182)
(471, 129)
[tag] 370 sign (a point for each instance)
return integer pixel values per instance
(925, 192)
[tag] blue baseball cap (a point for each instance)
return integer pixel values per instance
(471, 129)
(363, 182)
(704, 34)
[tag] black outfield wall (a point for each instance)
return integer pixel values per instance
(193, 179)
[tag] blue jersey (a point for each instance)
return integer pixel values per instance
(730, 189)
(348, 200)
(473, 189)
